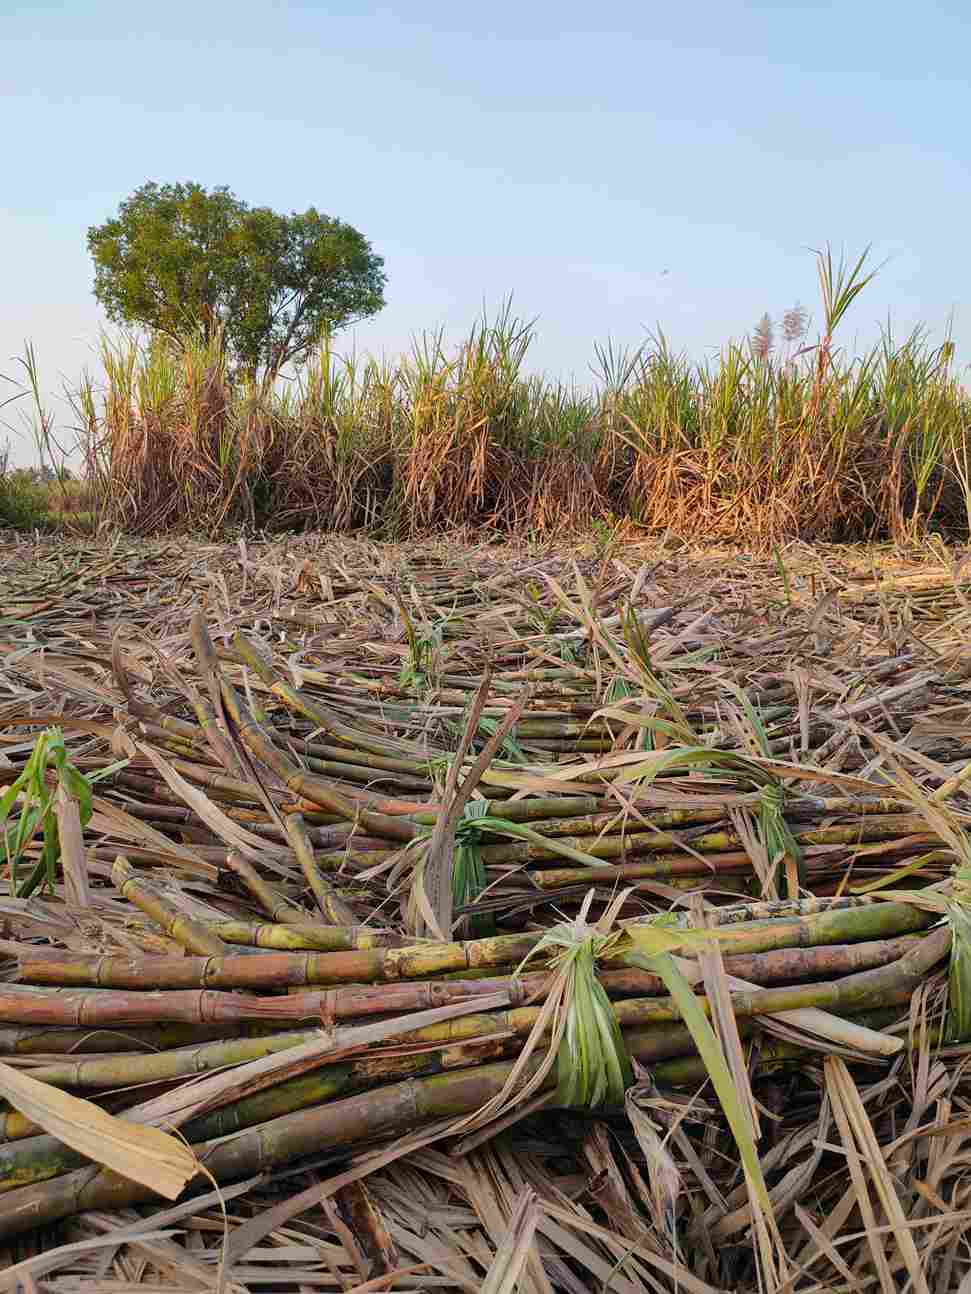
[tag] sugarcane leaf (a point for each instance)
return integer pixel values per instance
(593, 1067)
(9, 797)
(702, 758)
(100, 774)
(714, 1060)
(248, 844)
(77, 785)
(619, 689)
(959, 978)
(506, 1270)
(755, 723)
(510, 746)
(144, 1154)
(19, 836)
(914, 868)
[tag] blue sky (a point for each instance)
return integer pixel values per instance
(615, 167)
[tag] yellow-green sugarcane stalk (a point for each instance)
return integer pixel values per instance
(276, 907)
(52, 1040)
(658, 842)
(784, 967)
(670, 1052)
(332, 908)
(280, 970)
(295, 935)
(390, 1111)
(94, 1073)
(192, 935)
(40, 1157)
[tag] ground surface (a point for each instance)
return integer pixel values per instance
(210, 693)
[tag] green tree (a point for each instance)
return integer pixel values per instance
(178, 258)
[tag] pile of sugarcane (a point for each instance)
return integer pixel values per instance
(644, 896)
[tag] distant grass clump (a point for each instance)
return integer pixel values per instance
(23, 500)
(31, 500)
(755, 447)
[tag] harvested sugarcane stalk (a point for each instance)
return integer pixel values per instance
(192, 935)
(109, 1010)
(333, 909)
(859, 924)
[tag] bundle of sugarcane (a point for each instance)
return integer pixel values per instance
(815, 975)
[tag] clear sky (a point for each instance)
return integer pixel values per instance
(614, 166)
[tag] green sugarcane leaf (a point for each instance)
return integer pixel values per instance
(959, 977)
(703, 1036)
(617, 1073)
(693, 758)
(78, 786)
(593, 1067)
(31, 816)
(755, 723)
(618, 690)
(510, 746)
(9, 797)
(16, 835)
(914, 868)
(100, 774)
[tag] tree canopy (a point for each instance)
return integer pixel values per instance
(179, 257)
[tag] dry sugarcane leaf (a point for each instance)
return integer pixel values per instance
(253, 1231)
(114, 821)
(665, 1180)
(146, 1155)
(557, 1222)
(73, 857)
(505, 1273)
(489, 1181)
(249, 845)
(433, 877)
(863, 1152)
(148, 1228)
(773, 1261)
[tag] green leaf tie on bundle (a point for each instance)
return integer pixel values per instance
(778, 840)
(468, 870)
(593, 1067)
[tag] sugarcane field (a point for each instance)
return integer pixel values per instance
(484, 916)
